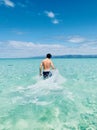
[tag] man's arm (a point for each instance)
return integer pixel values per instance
(40, 69)
(52, 65)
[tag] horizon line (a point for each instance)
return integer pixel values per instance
(56, 56)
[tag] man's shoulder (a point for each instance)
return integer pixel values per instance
(46, 60)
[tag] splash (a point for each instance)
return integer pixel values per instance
(42, 91)
(37, 102)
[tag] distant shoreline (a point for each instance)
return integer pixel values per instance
(77, 56)
(62, 56)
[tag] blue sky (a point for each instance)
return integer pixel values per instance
(35, 27)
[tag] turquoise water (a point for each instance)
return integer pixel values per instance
(66, 101)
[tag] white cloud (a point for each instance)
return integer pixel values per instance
(76, 39)
(31, 45)
(19, 44)
(8, 3)
(50, 14)
(30, 49)
(55, 21)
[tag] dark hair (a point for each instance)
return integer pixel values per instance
(49, 55)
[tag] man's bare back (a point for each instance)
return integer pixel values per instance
(47, 64)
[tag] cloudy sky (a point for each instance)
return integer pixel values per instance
(36, 27)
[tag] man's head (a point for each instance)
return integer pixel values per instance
(49, 55)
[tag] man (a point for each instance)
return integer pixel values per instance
(45, 65)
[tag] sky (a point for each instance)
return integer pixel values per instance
(31, 28)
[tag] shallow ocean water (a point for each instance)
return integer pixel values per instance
(66, 101)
